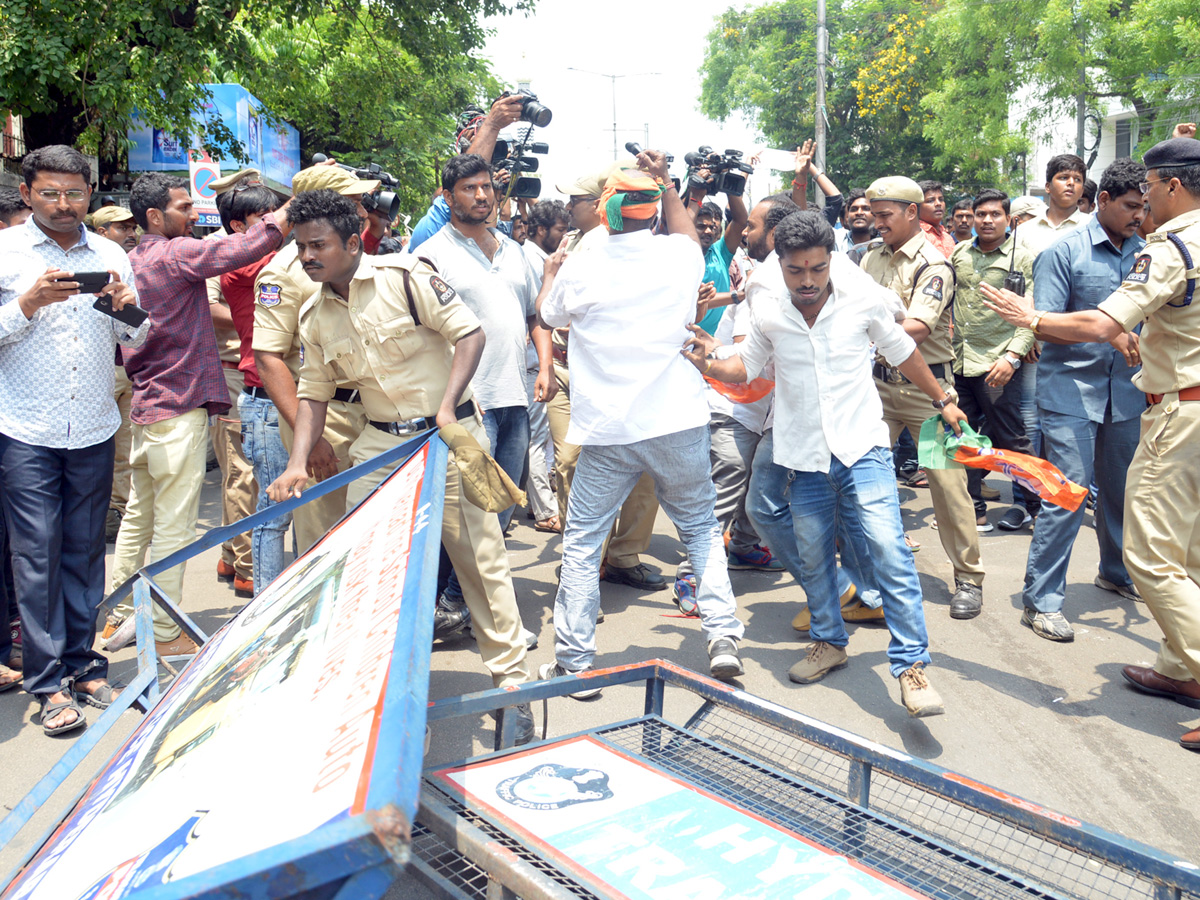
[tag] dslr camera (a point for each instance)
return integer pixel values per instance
(385, 203)
(513, 157)
(532, 111)
(727, 171)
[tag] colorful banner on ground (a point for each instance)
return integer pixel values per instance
(634, 831)
(270, 733)
(273, 149)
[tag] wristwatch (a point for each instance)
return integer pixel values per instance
(733, 296)
(943, 403)
(1014, 361)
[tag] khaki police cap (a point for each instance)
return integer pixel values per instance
(106, 215)
(592, 185)
(484, 483)
(227, 183)
(896, 188)
(1027, 205)
(332, 178)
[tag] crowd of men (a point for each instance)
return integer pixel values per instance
(786, 360)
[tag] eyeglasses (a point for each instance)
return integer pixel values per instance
(1145, 185)
(53, 196)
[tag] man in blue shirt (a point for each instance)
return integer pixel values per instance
(718, 254)
(1088, 405)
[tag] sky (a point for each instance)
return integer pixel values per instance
(621, 38)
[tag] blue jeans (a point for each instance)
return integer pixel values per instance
(263, 447)
(679, 464)
(507, 430)
(861, 498)
(769, 510)
(1083, 450)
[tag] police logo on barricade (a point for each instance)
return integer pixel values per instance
(444, 292)
(1141, 270)
(270, 294)
(552, 786)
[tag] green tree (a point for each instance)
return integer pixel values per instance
(761, 62)
(362, 97)
(76, 71)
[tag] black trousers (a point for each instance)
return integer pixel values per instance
(55, 503)
(1000, 408)
(8, 600)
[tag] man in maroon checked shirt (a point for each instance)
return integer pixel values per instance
(177, 381)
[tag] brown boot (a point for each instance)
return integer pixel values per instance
(803, 620)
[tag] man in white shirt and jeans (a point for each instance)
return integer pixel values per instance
(635, 407)
(830, 433)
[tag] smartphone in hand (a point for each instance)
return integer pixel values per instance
(131, 315)
(89, 282)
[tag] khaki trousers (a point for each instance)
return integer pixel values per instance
(907, 406)
(168, 459)
(344, 422)
(634, 527)
(475, 545)
(1162, 530)
(123, 394)
(239, 490)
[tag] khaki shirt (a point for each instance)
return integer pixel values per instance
(1171, 337)
(371, 342)
(920, 274)
(980, 336)
(281, 289)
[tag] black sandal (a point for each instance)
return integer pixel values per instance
(102, 697)
(50, 710)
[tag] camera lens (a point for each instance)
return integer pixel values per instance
(534, 112)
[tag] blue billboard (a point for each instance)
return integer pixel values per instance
(274, 149)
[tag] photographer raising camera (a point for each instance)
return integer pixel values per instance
(718, 254)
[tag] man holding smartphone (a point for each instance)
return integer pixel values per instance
(57, 420)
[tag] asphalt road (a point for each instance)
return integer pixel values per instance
(1053, 723)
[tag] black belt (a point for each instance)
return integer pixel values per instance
(421, 423)
(256, 392)
(347, 395)
(892, 375)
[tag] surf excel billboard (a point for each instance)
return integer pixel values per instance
(274, 149)
(263, 752)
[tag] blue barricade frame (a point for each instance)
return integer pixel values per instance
(371, 846)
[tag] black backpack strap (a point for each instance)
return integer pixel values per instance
(1191, 271)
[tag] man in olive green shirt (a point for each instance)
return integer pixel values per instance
(988, 350)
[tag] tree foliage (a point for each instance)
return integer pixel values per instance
(935, 88)
(76, 71)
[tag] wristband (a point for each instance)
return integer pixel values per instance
(707, 366)
(799, 184)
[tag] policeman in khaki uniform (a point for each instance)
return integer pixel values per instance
(279, 292)
(1162, 490)
(905, 261)
(388, 326)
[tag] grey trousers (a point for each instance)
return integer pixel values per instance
(731, 453)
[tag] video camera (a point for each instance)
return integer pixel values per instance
(512, 156)
(385, 203)
(531, 110)
(727, 172)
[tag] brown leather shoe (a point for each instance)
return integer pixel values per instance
(1191, 740)
(181, 646)
(225, 572)
(1148, 681)
(243, 587)
(803, 619)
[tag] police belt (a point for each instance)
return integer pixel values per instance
(421, 423)
(347, 395)
(1192, 393)
(892, 375)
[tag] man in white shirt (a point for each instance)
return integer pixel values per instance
(57, 421)
(831, 435)
(635, 408)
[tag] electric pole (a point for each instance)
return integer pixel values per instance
(822, 43)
